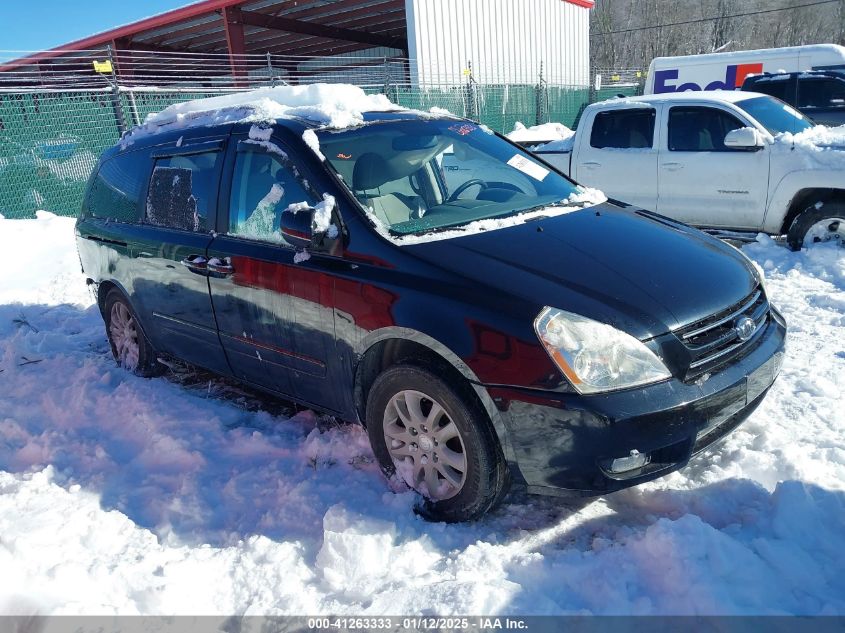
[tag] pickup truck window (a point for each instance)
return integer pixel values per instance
(182, 191)
(700, 129)
(623, 129)
(821, 92)
(774, 115)
(772, 86)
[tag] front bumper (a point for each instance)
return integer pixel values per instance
(564, 442)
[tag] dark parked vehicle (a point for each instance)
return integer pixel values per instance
(487, 332)
(818, 94)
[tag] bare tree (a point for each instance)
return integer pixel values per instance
(640, 30)
(721, 32)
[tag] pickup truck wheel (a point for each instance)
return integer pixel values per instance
(818, 223)
(129, 344)
(426, 433)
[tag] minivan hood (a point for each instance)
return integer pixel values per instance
(638, 271)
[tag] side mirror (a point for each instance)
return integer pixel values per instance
(297, 227)
(744, 138)
(304, 227)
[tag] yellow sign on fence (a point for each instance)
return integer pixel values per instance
(102, 67)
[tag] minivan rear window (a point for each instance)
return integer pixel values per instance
(182, 191)
(115, 192)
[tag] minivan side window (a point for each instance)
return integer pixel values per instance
(115, 192)
(700, 129)
(623, 129)
(182, 191)
(263, 186)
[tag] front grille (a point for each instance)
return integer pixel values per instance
(714, 341)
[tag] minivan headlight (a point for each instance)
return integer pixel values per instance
(594, 356)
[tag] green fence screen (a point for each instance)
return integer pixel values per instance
(50, 141)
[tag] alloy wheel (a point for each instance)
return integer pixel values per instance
(425, 445)
(124, 336)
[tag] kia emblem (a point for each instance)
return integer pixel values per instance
(744, 328)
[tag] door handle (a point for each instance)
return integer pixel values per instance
(221, 266)
(672, 166)
(195, 263)
(591, 164)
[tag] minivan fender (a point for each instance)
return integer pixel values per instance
(373, 339)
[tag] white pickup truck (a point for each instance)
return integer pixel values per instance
(733, 162)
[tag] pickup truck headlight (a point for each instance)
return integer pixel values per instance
(594, 356)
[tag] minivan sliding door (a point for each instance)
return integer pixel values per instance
(171, 284)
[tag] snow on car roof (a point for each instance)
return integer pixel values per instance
(330, 105)
(642, 101)
(834, 49)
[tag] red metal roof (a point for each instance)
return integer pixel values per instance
(200, 27)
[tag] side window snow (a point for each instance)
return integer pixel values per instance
(263, 186)
(182, 191)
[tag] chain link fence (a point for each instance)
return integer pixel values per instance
(51, 137)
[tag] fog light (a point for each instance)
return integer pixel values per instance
(635, 460)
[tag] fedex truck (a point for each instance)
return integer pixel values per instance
(727, 71)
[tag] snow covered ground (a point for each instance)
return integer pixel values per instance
(120, 495)
(552, 137)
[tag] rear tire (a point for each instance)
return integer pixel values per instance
(129, 344)
(441, 444)
(823, 224)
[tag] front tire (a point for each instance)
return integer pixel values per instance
(129, 344)
(822, 222)
(430, 435)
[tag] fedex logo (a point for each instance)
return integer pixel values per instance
(735, 74)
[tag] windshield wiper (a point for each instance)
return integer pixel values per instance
(540, 207)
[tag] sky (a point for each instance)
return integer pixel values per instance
(41, 24)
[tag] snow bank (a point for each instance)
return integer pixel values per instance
(548, 137)
(40, 264)
(120, 495)
(330, 105)
(537, 133)
(564, 145)
(819, 147)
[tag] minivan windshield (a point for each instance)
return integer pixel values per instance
(775, 115)
(422, 175)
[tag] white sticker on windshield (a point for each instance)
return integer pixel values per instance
(529, 167)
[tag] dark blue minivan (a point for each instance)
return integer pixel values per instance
(489, 321)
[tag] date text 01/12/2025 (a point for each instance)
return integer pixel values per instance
(416, 623)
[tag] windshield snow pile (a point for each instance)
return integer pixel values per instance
(335, 106)
(582, 198)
